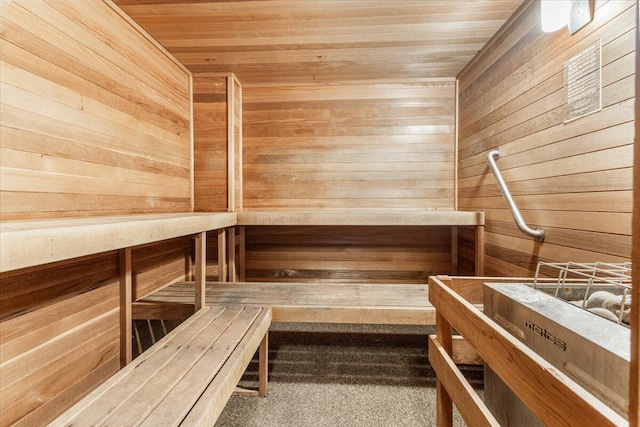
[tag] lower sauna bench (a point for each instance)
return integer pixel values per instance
(297, 302)
(184, 379)
(366, 303)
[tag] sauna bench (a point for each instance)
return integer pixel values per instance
(411, 218)
(186, 378)
(301, 302)
(427, 218)
(366, 303)
(28, 243)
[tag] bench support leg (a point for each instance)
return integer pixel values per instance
(222, 255)
(125, 307)
(231, 261)
(263, 371)
(454, 250)
(201, 269)
(242, 273)
(263, 365)
(480, 250)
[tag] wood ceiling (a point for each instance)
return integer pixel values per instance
(305, 41)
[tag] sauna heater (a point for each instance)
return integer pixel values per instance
(576, 317)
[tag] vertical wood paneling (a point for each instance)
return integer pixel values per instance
(349, 146)
(573, 179)
(95, 119)
(347, 254)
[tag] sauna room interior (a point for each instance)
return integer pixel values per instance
(352, 196)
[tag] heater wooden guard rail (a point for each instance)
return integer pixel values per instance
(553, 397)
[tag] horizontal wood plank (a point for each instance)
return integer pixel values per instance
(322, 41)
(426, 218)
(551, 395)
(207, 353)
(28, 243)
(308, 302)
(573, 179)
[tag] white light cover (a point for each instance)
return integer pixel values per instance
(555, 14)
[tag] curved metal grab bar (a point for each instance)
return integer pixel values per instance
(538, 233)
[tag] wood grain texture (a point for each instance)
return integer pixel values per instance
(210, 122)
(205, 355)
(322, 41)
(371, 303)
(125, 307)
(426, 218)
(573, 179)
(53, 355)
(349, 146)
(634, 375)
(35, 242)
(552, 396)
(471, 407)
(357, 254)
(159, 264)
(58, 303)
(217, 142)
(95, 120)
(95, 117)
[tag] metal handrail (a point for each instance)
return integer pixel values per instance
(538, 233)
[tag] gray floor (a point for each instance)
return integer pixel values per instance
(343, 375)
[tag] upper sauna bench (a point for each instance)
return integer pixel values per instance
(410, 218)
(426, 218)
(28, 243)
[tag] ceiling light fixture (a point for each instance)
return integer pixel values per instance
(555, 14)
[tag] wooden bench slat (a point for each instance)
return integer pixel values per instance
(211, 347)
(139, 371)
(184, 395)
(212, 401)
(317, 302)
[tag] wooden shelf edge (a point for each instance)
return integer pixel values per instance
(425, 218)
(36, 242)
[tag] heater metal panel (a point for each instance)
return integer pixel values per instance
(590, 349)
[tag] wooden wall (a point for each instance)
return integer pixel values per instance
(311, 41)
(59, 336)
(634, 375)
(94, 120)
(347, 254)
(210, 143)
(349, 146)
(573, 179)
(217, 116)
